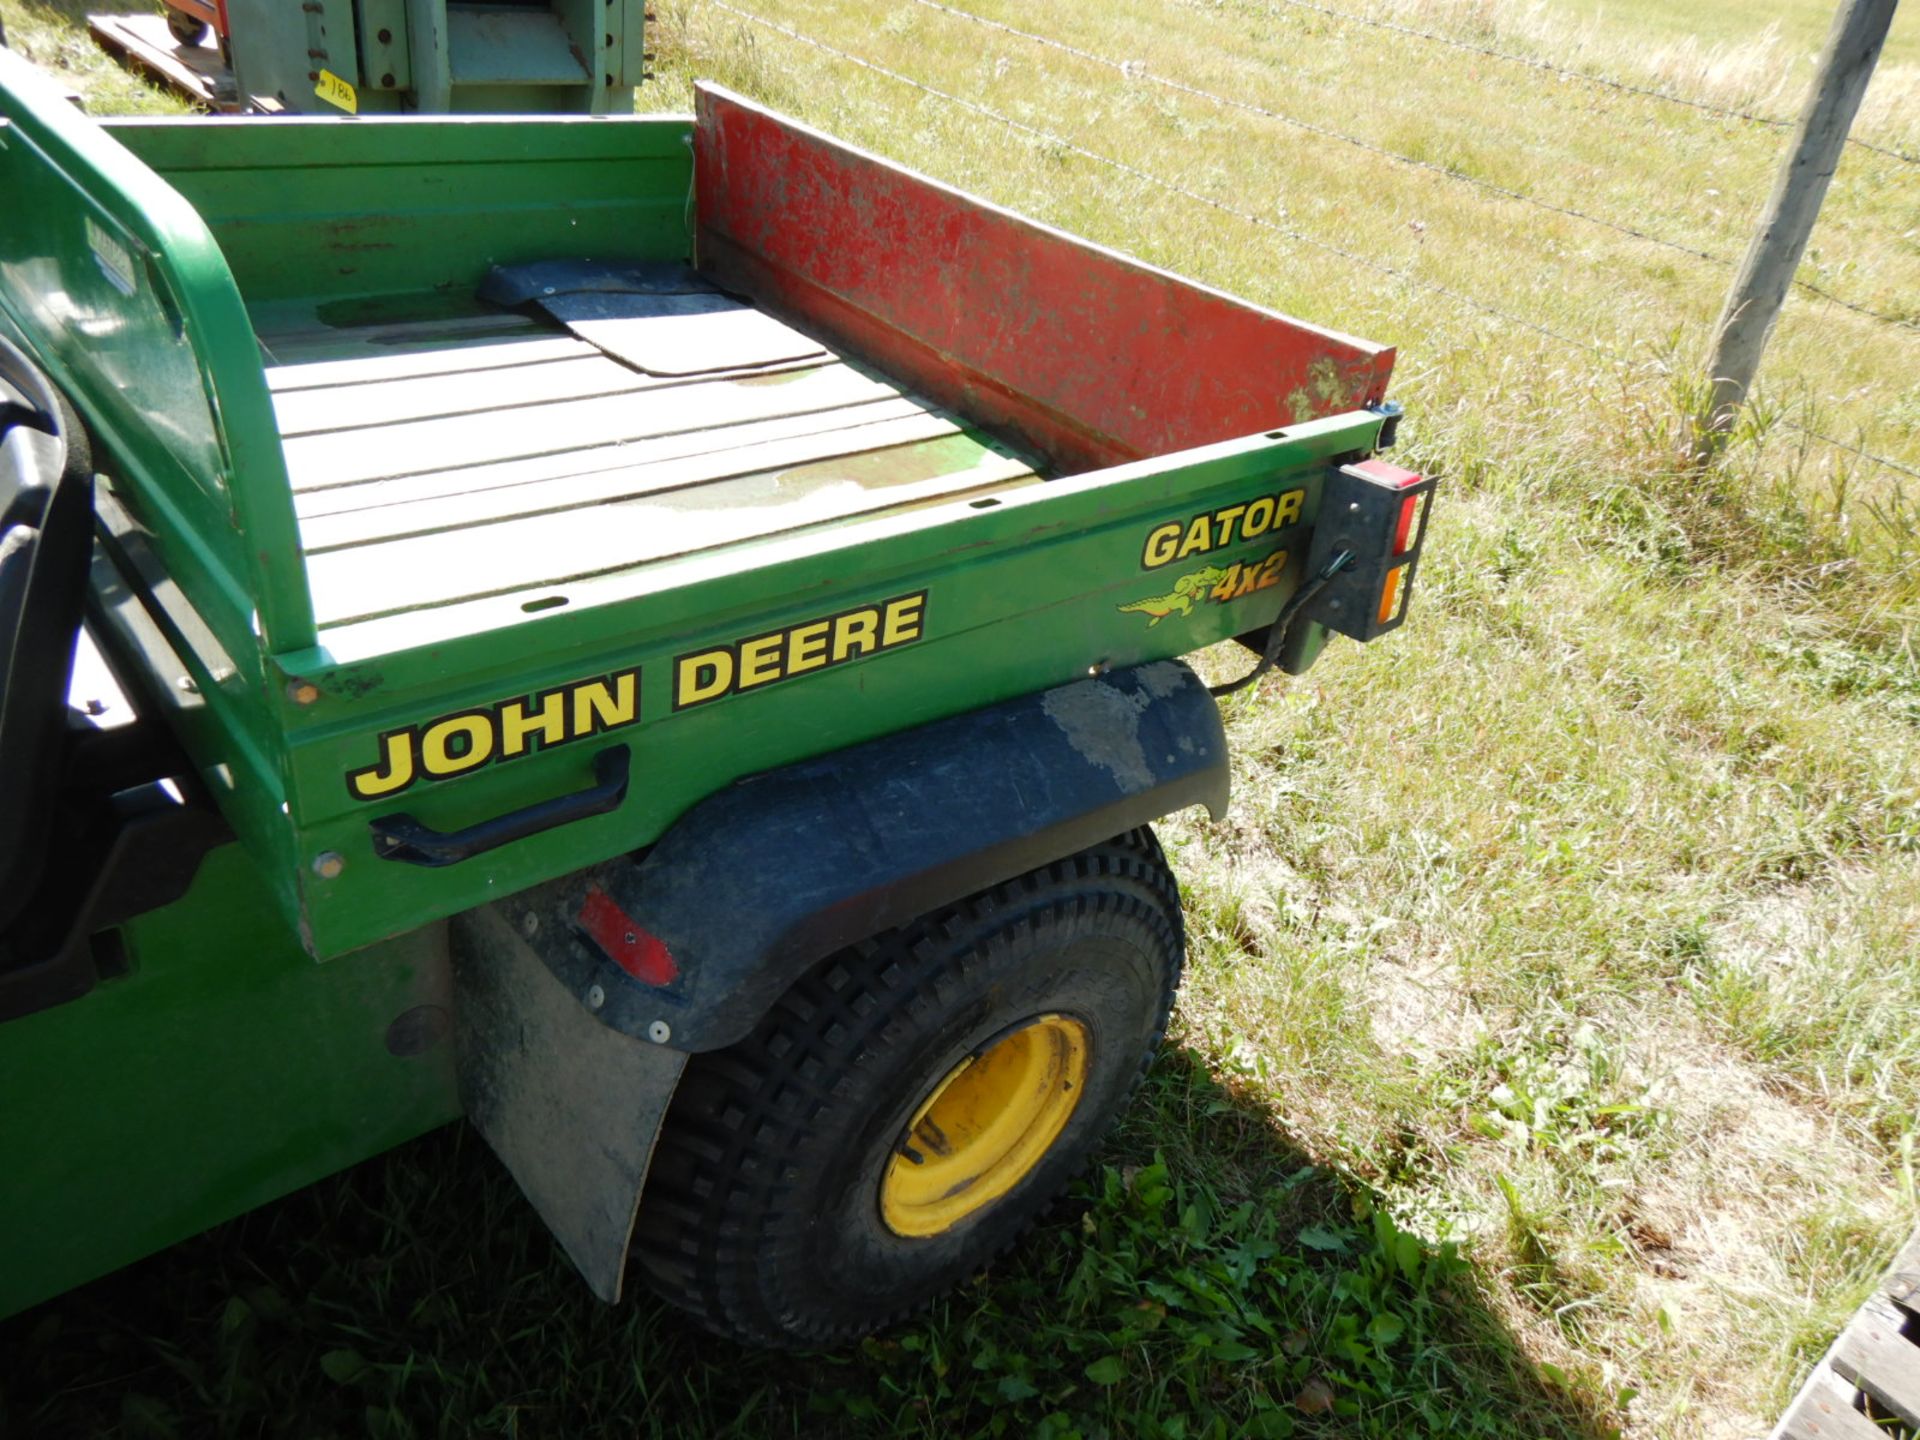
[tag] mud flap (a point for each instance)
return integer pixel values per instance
(571, 1106)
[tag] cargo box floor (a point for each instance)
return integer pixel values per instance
(437, 463)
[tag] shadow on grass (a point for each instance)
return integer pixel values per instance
(1206, 1280)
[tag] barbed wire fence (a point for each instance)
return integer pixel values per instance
(1401, 274)
(1154, 77)
(1563, 72)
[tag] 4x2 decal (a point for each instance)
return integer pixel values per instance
(1212, 584)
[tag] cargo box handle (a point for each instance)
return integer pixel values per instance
(401, 837)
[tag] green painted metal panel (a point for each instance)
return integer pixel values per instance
(118, 287)
(473, 58)
(525, 45)
(629, 37)
(303, 145)
(599, 32)
(279, 48)
(315, 211)
(1019, 596)
(331, 42)
(226, 1069)
(385, 63)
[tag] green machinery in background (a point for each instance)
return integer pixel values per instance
(436, 56)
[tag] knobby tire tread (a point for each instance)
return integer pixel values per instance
(724, 1165)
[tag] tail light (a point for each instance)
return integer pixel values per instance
(1375, 513)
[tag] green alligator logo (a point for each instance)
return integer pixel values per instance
(1240, 579)
(1179, 600)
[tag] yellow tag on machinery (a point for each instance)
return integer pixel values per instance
(337, 92)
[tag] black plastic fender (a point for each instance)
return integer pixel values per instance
(689, 945)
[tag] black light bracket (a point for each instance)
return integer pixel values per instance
(1390, 414)
(1377, 513)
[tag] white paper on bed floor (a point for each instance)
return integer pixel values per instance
(680, 334)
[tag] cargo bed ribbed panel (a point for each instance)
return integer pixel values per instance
(441, 463)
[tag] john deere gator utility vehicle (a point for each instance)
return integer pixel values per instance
(657, 635)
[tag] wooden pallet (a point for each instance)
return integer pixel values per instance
(1872, 1369)
(143, 42)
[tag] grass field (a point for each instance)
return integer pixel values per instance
(1793, 29)
(1546, 1064)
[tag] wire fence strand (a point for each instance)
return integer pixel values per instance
(1313, 127)
(1380, 267)
(1840, 444)
(1171, 187)
(1562, 72)
(1133, 72)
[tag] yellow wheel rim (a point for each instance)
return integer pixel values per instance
(985, 1126)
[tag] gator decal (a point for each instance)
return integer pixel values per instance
(1217, 529)
(507, 730)
(1211, 584)
(703, 675)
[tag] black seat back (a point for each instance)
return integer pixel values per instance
(46, 527)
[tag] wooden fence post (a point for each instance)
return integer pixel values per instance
(1853, 47)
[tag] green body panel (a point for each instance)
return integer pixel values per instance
(158, 351)
(1020, 596)
(385, 58)
(143, 260)
(320, 223)
(311, 212)
(226, 1069)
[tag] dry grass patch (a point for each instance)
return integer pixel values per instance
(53, 34)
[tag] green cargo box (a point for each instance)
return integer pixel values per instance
(422, 555)
(580, 583)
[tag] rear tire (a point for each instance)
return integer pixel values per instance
(763, 1211)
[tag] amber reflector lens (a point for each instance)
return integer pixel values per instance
(1390, 594)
